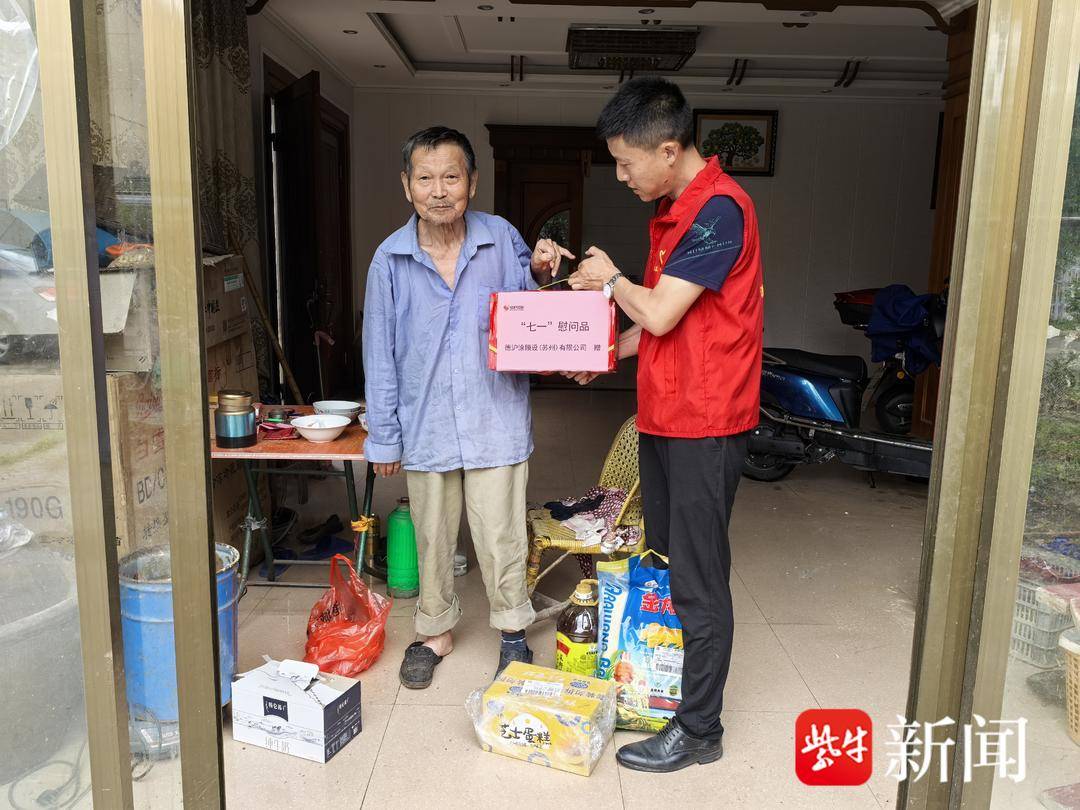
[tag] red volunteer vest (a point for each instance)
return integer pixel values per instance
(703, 378)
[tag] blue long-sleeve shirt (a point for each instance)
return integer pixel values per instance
(432, 403)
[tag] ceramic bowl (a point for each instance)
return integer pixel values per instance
(321, 427)
(339, 407)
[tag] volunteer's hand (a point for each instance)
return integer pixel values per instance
(387, 470)
(594, 271)
(548, 256)
(581, 377)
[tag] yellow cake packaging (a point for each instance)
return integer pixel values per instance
(544, 716)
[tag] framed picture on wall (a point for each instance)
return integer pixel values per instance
(744, 140)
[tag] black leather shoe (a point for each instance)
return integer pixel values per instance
(672, 749)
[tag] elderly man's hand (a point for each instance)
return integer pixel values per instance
(387, 470)
(548, 256)
(594, 271)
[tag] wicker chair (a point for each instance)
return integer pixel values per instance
(620, 471)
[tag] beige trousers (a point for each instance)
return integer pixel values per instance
(495, 504)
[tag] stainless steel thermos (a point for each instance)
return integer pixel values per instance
(234, 420)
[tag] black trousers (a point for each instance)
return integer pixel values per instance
(688, 488)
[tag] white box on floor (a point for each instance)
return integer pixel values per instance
(283, 706)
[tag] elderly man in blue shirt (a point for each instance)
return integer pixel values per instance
(435, 409)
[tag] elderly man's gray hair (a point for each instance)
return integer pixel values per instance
(432, 138)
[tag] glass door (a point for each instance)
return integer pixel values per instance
(103, 597)
(1042, 680)
(44, 745)
(988, 716)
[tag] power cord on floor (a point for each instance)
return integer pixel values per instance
(142, 760)
(71, 791)
(57, 797)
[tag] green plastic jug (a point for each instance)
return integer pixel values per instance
(402, 572)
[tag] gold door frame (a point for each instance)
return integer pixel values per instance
(66, 121)
(1024, 72)
(174, 198)
(170, 91)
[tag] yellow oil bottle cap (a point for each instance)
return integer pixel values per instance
(586, 593)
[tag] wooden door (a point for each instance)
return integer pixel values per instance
(544, 194)
(540, 172)
(335, 266)
(950, 156)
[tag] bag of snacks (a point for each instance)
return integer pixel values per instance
(641, 646)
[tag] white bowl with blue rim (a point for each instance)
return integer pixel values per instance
(339, 407)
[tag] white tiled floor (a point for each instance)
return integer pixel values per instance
(823, 584)
(824, 581)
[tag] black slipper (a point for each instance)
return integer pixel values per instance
(418, 666)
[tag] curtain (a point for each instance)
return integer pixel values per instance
(225, 144)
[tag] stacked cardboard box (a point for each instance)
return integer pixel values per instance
(33, 451)
(33, 463)
(230, 363)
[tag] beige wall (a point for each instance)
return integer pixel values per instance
(848, 207)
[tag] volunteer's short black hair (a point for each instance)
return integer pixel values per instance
(646, 112)
(432, 138)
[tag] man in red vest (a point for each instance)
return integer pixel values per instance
(698, 340)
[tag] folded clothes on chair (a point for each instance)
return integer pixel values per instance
(593, 519)
(620, 537)
(588, 529)
(568, 507)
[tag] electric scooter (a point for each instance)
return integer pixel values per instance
(811, 408)
(892, 395)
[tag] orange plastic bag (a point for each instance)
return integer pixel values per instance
(347, 627)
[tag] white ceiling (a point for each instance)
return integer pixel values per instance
(451, 44)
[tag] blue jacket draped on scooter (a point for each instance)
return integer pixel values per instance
(901, 321)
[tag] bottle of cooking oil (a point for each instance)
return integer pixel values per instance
(576, 633)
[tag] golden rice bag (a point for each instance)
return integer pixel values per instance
(541, 715)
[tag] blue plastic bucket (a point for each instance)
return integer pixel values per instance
(146, 608)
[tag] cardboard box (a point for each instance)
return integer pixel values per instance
(544, 716)
(293, 715)
(129, 311)
(34, 483)
(231, 364)
(230, 496)
(129, 320)
(226, 308)
(552, 331)
(34, 466)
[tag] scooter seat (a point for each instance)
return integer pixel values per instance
(845, 366)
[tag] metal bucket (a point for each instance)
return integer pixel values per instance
(146, 608)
